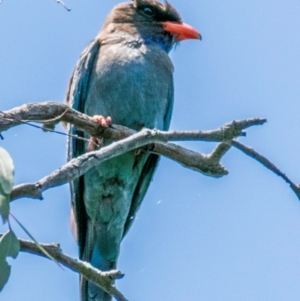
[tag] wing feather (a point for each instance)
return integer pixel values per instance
(76, 95)
(148, 169)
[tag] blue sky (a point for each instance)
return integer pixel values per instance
(195, 238)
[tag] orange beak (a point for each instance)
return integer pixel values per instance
(182, 31)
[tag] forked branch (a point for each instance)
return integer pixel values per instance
(51, 113)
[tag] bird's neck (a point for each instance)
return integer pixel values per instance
(114, 34)
(165, 42)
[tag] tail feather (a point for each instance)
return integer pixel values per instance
(91, 292)
(92, 254)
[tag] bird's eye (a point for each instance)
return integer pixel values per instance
(148, 11)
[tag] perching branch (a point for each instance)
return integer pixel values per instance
(104, 280)
(50, 113)
(125, 139)
(76, 167)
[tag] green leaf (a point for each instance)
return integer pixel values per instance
(6, 182)
(9, 245)
(4, 205)
(6, 171)
(5, 272)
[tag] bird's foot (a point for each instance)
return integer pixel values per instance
(94, 141)
(103, 121)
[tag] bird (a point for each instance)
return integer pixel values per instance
(125, 72)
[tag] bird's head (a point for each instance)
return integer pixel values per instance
(151, 20)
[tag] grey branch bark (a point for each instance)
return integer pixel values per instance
(50, 113)
(78, 166)
(125, 139)
(103, 279)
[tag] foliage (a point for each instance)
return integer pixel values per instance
(9, 244)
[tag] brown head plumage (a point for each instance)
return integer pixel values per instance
(151, 20)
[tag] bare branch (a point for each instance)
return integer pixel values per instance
(105, 280)
(77, 167)
(208, 165)
(268, 164)
(228, 132)
(205, 164)
(63, 4)
(50, 113)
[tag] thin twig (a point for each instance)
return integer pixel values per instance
(63, 4)
(268, 164)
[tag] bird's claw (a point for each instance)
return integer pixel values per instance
(94, 141)
(103, 121)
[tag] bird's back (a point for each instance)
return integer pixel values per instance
(124, 73)
(132, 82)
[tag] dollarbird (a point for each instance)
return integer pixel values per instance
(125, 73)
